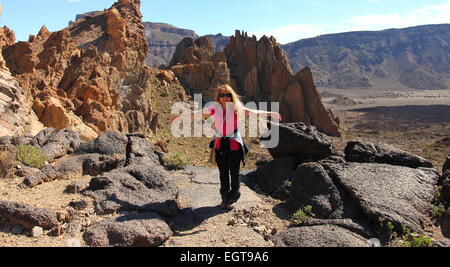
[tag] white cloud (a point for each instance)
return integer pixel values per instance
(74, 1)
(296, 32)
(433, 14)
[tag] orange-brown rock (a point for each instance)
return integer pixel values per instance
(166, 75)
(43, 32)
(260, 68)
(262, 73)
(198, 68)
(321, 117)
(16, 115)
(92, 72)
(7, 36)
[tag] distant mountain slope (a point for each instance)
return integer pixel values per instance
(416, 57)
(162, 40)
(219, 41)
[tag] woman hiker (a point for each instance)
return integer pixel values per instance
(228, 144)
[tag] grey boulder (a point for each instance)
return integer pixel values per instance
(140, 188)
(325, 235)
(365, 152)
(137, 230)
(397, 194)
(28, 216)
(109, 143)
(56, 144)
(275, 177)
(74, 166)
(302, 142)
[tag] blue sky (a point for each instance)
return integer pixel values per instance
(287, 20)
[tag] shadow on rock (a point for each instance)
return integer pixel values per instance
(188, 219)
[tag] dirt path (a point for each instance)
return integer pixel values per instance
(251, 224)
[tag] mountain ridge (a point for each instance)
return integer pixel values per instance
(413, 57)
(405, 58)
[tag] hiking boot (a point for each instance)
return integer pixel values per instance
(224, 204)
(231, 206)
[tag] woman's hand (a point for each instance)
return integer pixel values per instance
(173, 117)
(276, 116)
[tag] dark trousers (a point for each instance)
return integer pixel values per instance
(229, 164)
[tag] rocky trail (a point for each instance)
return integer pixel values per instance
(202, 224)
(79, 203)
(117, 190)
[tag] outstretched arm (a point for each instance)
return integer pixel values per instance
(275, 115)
(192, 115)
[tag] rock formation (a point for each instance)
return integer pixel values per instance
(260, 71)
(141, 230)
(16, 116)
(357, 151)
(127, 177)
(299, 141)
(372, 185)
(90, 76)
(198, 68)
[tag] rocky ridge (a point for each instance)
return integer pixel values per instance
(90, 76)
(16, 117)
(259, 71)
(406, 58)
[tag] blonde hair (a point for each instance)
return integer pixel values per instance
(238, 106)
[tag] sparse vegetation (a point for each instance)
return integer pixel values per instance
(175, 161)
(388, 228)
(438, 211)
(417, 241)
(404, 237)
(31, 156)
(303, 215)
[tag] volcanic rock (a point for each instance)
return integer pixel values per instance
(365, 152)
(397, 194)
(140, 188)
(56, 144)
(140, 230)
(198, 68)
(445, 181)
(302, 142)
(275, 177)
(446, 166)
(28, 216)
(90, 75)
(16, 117)
(326, 235)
